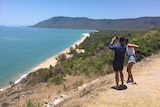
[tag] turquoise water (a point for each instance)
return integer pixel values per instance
(24, 48)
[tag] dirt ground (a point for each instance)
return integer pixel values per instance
(145, 94)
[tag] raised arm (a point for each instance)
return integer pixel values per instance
(111, 43)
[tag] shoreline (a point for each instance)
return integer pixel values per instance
(50, 61)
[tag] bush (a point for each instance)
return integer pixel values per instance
(57, 79)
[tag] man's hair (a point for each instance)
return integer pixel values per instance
(121, 39)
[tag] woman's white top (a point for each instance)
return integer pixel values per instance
(130, 51)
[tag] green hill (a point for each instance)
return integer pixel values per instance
(142, 23)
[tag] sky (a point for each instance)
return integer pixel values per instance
(30, 12)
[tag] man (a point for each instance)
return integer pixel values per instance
(119, 54)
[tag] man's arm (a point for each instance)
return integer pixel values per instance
(112, 41)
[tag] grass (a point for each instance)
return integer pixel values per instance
(31, 103)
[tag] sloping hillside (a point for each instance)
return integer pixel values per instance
(87, 81)
(145, 94)
(142, 23)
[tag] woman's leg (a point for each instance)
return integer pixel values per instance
(129, 67)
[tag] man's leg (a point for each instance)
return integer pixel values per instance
(122, 77)
(117, 78)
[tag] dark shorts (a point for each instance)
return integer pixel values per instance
(118, 67)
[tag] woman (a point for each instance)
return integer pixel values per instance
(131, 60)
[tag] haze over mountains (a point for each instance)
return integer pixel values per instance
(131, 24)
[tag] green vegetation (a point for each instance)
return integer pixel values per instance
(30, 103)
(132, 24)
(97, 59)
(149, 42)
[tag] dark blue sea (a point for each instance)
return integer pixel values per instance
(24, 48)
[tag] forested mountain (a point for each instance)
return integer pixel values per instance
(142, 23)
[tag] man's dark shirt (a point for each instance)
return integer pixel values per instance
(119, 51)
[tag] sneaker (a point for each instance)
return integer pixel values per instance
(134, 83)
(128, 81)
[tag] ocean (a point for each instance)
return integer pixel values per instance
(24, 48)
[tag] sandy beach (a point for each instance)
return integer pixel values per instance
(52, 61)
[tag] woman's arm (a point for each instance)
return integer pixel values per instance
(132, 45)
